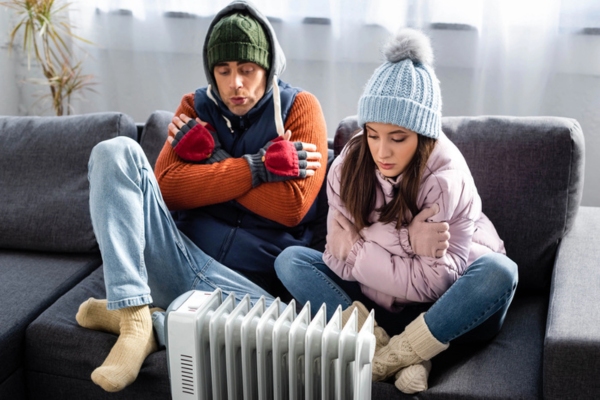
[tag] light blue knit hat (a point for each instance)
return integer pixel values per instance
(404, 91)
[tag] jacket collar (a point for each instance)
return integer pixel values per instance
(388, 185)
(238, 123)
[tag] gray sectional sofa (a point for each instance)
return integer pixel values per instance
(529, 172)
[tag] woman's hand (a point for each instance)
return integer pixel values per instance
(429, 239)
(341, 236)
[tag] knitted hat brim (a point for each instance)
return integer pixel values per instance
(400, 111)
(238, 51)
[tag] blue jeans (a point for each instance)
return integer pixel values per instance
(146, 259)
(472, 309)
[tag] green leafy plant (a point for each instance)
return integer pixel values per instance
(47, 39)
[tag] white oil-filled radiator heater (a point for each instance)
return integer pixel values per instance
(219, 350)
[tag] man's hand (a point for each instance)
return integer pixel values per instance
(195, 140)
(429, 239)
(282, 160)
(312, 156)
(341, 235)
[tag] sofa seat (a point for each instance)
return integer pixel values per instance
(29, 283)
(61, 360)
(507, 367)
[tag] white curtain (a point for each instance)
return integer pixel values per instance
(512, 49)
(511, 57)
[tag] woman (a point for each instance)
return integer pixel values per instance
(406, 234)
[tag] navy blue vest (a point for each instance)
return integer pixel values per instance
(228, 232)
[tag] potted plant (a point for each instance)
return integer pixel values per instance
(47, 39)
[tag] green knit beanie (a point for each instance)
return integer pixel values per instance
(238, 37)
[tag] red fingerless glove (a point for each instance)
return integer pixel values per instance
(281, 157)
(194, 142)
(280, 160)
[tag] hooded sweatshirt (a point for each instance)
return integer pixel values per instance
(383, 262)
(215, 204)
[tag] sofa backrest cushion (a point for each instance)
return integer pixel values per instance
(44, 191)
(155, 133)
(529, 174)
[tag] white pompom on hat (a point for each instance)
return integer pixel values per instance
(404, 90)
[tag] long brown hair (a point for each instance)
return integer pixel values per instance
(358, 183)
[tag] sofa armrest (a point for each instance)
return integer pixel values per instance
(572, 345)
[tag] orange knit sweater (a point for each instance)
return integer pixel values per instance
(185, 185)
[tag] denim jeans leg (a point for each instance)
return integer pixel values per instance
(146, 259)
(210, 274)
(134, 230)
(485, 291)
(307, 278)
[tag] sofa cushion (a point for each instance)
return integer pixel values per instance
(61, 355)
(13, 387)
(43, 176)
(155, 133)
(529, 173)
(29, 283)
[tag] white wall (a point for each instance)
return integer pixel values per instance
(170, 48)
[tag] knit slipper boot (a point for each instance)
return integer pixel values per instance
(136, 341)
(381, 336)
(362, 313)
(412, 346)
(413, 379)
(93, 314)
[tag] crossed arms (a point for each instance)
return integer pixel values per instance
(187, 185)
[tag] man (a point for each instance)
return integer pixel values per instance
(242, 191)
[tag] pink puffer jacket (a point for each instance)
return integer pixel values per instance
(383, 261)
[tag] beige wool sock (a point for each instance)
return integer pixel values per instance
(136, 341)
(412, 346)
(93, 314)
(413, 379)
